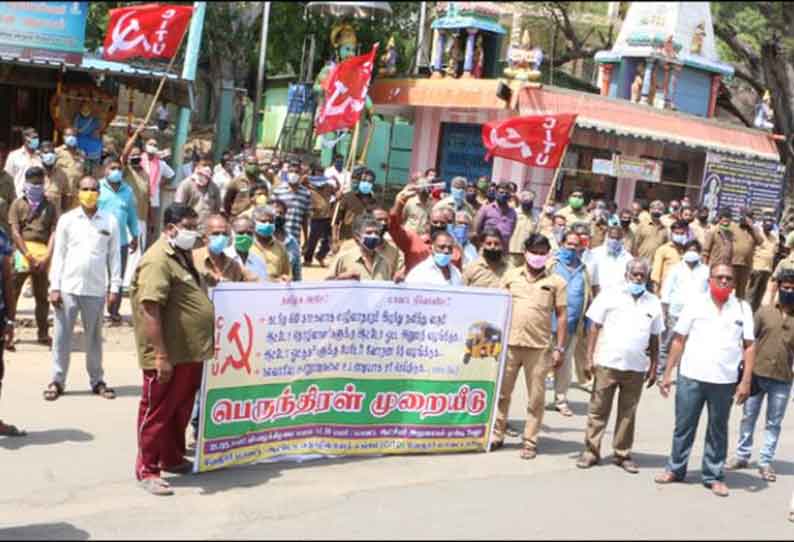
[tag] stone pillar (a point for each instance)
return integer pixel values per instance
(438, 60)
(715, 90)
(676, 71)
(646, 80)
(606, 78)
(468, 60)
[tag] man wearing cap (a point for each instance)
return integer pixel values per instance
(763, 256)
(598, 225)
(734, 245)
(575, 210)
(525, 225)
(498, 214)
(457, 199)
(354, 204)
(648, 237)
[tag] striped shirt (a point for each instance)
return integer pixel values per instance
(299, 204)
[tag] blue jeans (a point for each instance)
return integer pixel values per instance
(690, 397)
(777, 393)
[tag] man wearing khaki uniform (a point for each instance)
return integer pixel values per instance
(625, 320)
(524, 226)
(648, 237)
(488, 270)
(733, 245)
(763, 256)
(363, 261)
(537, 294)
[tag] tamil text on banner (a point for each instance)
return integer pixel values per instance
(345, 93)
(145, 31)
(537, 140)
(637, 169)
(348, 369)
(51, 31)
(734, 182)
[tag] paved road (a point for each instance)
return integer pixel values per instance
(72, 477)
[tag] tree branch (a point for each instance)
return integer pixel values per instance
(728, 35)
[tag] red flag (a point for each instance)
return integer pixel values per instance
(148, 31)
(537, 140)
(345, 93)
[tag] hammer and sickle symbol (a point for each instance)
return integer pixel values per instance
(119, 36)
(245, 352)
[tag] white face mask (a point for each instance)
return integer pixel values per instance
(151, 149)
(185, 239)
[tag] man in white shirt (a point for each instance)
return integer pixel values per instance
(715, 333)
(460, 231)
(607, 263)
(338, 174)
(688, 280)
(18, 161)
(625, 321)
(223, 172)
(437, 269)
(86, 245)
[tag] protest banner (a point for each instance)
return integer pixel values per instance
(347, 369)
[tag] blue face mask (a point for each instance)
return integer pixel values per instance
(365, 187)
(114, 176)
(70, 140)
(614, 246)
(458, 195)
(786, 298)
(568, 256)
(441, 259)
(370, 242)
(461, 233)
(338, 165)
(265, 229)
(218, 243)
(33, 143)
(636, 289)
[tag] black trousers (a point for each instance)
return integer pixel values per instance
(319, 231)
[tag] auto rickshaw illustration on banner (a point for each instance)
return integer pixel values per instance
(483, 340)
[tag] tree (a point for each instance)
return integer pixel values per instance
(756, 37)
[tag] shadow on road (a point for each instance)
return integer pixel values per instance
(42, 438)
(749, 480)
(44, 531)
(121, 391)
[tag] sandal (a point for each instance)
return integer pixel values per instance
(53, 391)
(665, 477)
(719, 489)
(103, 390)
(528, 453)
(564, 409)
(156, 486)
(7, 430)
(767, 473)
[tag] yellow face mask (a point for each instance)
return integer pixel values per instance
(88, 198)
(260, 200)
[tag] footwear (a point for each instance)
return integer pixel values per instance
(586, 461)
(627, 464)
(53, 391)
(767, 473)
(103, 390)
(665, 477)
(719, 489)
(736, 463)
(511, 431)
(564, 409)
(791, 516)
(8, 430)
(528, 453)
(496, 444)
(156, 486)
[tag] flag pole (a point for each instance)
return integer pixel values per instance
(131, 139)
(553, 187)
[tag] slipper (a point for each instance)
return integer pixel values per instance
(7, 430)
(564, 409)
(528, 453)
(665, 477)
(767, 473)
(103, 390)
(719, 489)
(156, 486)
(53, 391)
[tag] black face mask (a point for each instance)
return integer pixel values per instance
(434, 229)
(656, 214)
(135, 161)
(625, 223)
(527, 206)
(492, 255)
(279, 222)
(491, 195)
(471, 198)
(703, 218)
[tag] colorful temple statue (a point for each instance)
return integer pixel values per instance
(389, 59)
(453, 56)
(464, 32)
(697, 39)
(479, 59)
(523, 59)
(89, 138)
(764, 117)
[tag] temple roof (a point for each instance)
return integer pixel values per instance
(460, 15)
(649, 26)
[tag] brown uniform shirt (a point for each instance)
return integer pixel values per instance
(666, 257)
(479, 274)
(56, 187)
(230, 272)
(7, 196)
(393, 255)
(785, 263)
(206, 203)
(321, 205)
(700, 231)
(648, 238)
(351, 260)
(524, 227)
(534, 299)
(572, 217)
(416, 215)
(72, 164)
(764, 254)
(244, 194)
(138, 180)
(187, 315)
(33, 227)
(774, 343)
(276, 259)
(734, 247)
(350, 207)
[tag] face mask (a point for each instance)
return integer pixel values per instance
(458, 195)
(265, 229)
(33, 143)
(151, 149)
(34, 192)
(568, 256)
(785, 298)
(48, 158)
(88, 198)
(434, 229)
(365, 187)
(614, 246)
(201, 180)
(441, 259)
(70, 140)
(185, 239)
(636, 289)
(135, 161)
(251, 170)
(490, 195)
(584, 242)
(679, 238)
(576, 202)
(502, 199)
(338, 165)
(292, 179)
(719, 293)
(656, 214)
(461, 233)
(492, 255)
(114, 176)
(527, 206)
(243, 242)
(471, 198)
(768, 226)
(370, 242)
(691, 257)
(725, 227)
(218, 243)
(260, 200)
(536, 261)
(625, 223)
(279, 222)
(673, 210)
(483, 186)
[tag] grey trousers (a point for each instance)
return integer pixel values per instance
(90, 310)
